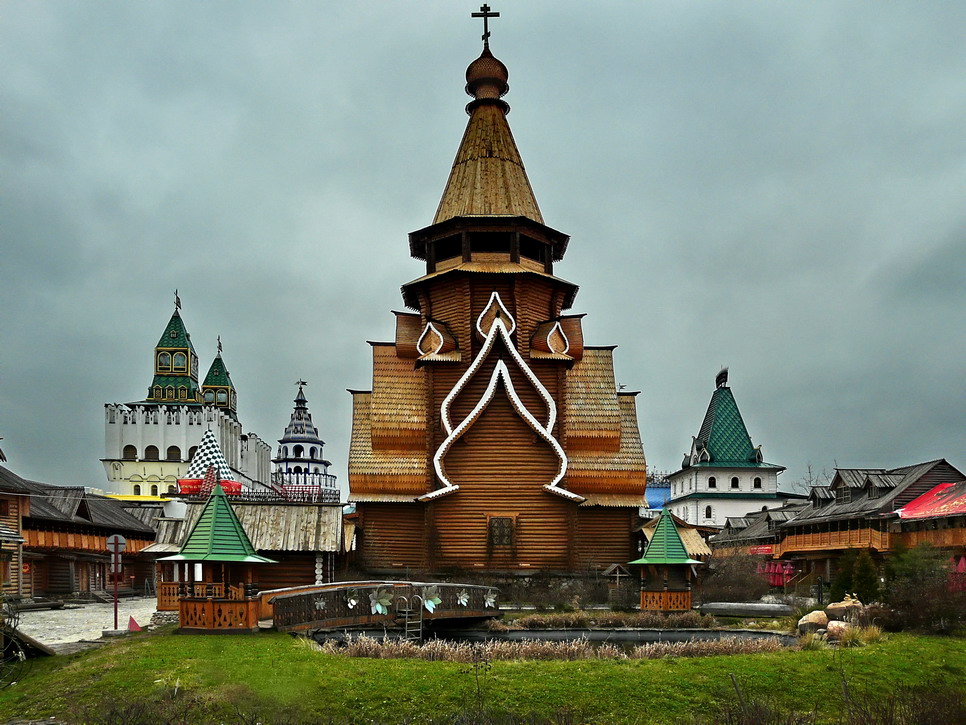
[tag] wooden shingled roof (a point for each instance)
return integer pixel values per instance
(408, 469)
(628, 457)
(592, 409)
(488, 177)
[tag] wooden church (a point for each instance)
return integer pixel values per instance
(493, 437)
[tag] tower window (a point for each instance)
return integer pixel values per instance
(532, 249)
(172, 489)
(183, 393)
(284, 451)
(712, 482)
(174, 453)
(312, 452)
(448, 248)
(169, 392)
(757, 483)
(297, 451)
(297, 469)
(130, 453)
(157, 391)
(734, 482)
(151, 453)
(209, 396)
(490, 242)
(137, 489)
(707, 512)
(221, 397)
(192, 451)
(154, 490)
(164, 362)
(180, 362)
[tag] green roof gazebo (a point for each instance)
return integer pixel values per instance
(218, 547)
(667, 572)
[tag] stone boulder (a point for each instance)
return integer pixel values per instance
(836, 629)
(812, 622)
(846, 610)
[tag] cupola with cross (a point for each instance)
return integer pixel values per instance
(175, 364)
(217, 389)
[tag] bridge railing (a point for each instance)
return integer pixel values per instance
(382, 603)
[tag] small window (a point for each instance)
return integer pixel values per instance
(734, 482)
(172, 489)
(707, 512)
(137, 489)
(180, 362)
(130, 453)
(284, 451)
(490, 242)
(448, 248)
(157, 391)
(183, 393)
(712, 482)
(757, 483)
(151, 453)
(312, 452)
(873, 492)
(500, 531)
(297, 469)
(221, 397)
(843, 494)
(154, 490)
(532, 249)
(174, 453)
(164, 361)
(191, 452)
(169, 392)
(297, 451)
(209, 396)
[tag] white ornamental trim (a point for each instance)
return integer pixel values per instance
(500, 329)
(494, 300)
(500, 371)
(430, 327)
(563, 335)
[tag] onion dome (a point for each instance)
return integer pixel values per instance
(486, 77)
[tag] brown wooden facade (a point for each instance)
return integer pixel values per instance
(456, 451)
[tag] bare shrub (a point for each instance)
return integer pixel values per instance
(939, 703)
(706, 648)
(732, 578)
(583, 620)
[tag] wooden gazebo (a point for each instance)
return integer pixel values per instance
(213, 567)
(666, 570)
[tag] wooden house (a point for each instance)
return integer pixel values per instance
(493, 437)
(666, 569)
(14, 502)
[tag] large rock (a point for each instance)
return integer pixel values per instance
(812, 622)
(846, 610)
(836, 629)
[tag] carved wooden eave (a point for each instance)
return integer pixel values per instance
(550, 342)
(410, 290)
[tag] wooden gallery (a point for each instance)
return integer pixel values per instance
(493, 437)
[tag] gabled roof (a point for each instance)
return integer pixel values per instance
(218, 536)
(946, 499)
(72, 504)
(218, 374)
(665, 546)
(10, 481)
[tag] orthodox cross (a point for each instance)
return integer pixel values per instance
(177, 300)
(486, 15)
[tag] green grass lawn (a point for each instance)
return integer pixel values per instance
(273, 678)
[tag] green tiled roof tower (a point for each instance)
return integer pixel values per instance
(665, 546)
(218, 536)
(175, 365)
(218, 390)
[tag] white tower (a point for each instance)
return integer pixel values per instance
(301, 471)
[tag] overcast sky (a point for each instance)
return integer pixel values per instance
(779, 187)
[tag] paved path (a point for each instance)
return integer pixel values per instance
(59, 626)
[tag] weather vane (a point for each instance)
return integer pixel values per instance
(219, 344)
(486, 15)
(177, 300)
(301, 383)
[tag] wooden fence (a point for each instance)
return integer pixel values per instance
(213, 614)
(864, 538)
(665, 601)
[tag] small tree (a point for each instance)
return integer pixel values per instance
(842, 582)
(732, 578)
(919, 593)
(865, 578)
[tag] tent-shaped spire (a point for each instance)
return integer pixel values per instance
(217, 389)
(218, 536)
(209, 454)
(488, 178)
(666, 546)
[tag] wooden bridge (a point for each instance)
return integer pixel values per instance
(403, 604)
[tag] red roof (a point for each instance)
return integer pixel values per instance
(946, 499)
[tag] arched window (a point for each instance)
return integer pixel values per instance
(172, 489)
(284, 451)
(169, 392)
(164, 361)
(130, 453)
(757, 482)
(221, 397)
(312, 452)
(707, 512)
(180, 362)
(316, 470)
(151, 453)
(191, 452)
(174, 453)
(209, 396)
(137, 489)
(297, 451)
(712, 482)
(734, 482)
(154, 490)
(297, 469)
